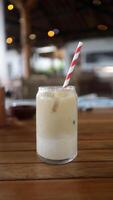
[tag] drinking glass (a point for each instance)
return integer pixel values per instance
(56, 124)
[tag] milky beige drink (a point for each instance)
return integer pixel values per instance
(56, 122)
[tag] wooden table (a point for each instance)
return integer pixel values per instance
(90, 177)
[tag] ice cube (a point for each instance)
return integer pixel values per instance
(61, 94)
(48, 94)
(55, 105)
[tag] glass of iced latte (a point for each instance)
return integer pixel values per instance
(56, 124)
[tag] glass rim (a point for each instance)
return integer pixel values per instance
(53, 88)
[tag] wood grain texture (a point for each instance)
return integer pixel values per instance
(31, 156)
(43, 171)
(17, 146)
(90, 189)
(30, 146)
(88, 177)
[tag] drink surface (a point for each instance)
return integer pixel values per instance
(56, 119)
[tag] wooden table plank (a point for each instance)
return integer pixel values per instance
(18, 146)
(31, 156)
(95, 114)
(83, 135)
(89, 176)
(95, 144)
(87, 130)
(57, 189)
(43, 171)
(29, 146)
(93, 127)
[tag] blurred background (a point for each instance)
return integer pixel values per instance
(38, 39)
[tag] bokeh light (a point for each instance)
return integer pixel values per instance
(51, 33)
(10, 7)
(9, 40)
(32, 36)
(102, 27)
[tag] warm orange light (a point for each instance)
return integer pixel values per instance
(9, 40)
(102, 27)
(10, 7)
(51, 33)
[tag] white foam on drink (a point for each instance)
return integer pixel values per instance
(57, 149)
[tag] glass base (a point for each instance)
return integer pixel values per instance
(56, 162)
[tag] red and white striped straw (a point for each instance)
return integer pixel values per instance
(73, 64)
